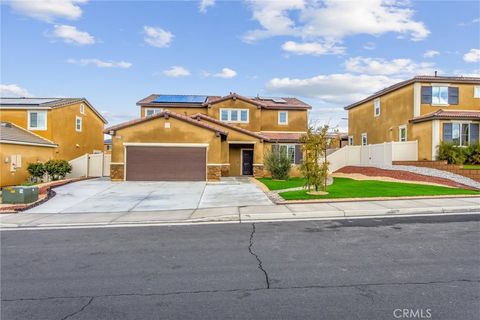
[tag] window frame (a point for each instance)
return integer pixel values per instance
(400, 128)
(433, 95)
(476, 92)
(376, 106)
(77, 122)
(286, 118)
(229, 115)
(460, 125)
(44, 127)
(287, 147)
(364, 135)
(155, 111)
(350, 140)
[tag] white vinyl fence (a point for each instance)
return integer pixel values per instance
(373, 154)
(91, 165)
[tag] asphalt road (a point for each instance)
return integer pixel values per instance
(359, 269)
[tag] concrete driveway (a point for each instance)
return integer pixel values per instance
(102, 195)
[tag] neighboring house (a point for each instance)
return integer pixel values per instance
(72, 124)
(429, 109)
(185, 137)
(18, 148)
(107, 146)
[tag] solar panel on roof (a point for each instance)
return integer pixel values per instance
(180, 99)
(279, 100)
(30, 101)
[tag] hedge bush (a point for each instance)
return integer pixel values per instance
(459, 155)
(36, 170)
(57, 169)
(279, 165)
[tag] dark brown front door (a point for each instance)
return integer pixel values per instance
(247, 162)
(165, 163)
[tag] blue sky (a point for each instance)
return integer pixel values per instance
(327, 53)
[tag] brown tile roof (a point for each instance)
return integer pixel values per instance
(165, 113)
(53, 103)
(447, 115)
(437, 79)
(283, 136)
(262, 102)
(199, 116)
(10, 133)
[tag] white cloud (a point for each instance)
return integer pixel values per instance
(48, 10)
(333, 19)
(377, 66)
(430, 53)
(204, 4)
(157, 37)
(464, 24)
(472, 56)
(70, 34)
(338, 89)
(176, 71)
(226, 73)
(369, 46)
(312, 48)
(13, 90)
(100, 63)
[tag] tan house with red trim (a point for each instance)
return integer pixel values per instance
(429, 109)
(198, 138)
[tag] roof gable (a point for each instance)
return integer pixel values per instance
(11, 133)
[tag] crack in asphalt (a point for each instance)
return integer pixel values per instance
(80, 310)
(260, 265)
(359, 286)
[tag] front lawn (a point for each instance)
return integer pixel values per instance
(349, 188)
(471, 166)
(281, 184)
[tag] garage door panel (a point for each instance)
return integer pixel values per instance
(166, 163)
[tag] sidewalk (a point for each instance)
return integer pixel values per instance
(307, 211)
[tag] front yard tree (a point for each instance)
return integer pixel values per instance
(314, 167)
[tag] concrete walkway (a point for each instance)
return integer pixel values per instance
(240, 214)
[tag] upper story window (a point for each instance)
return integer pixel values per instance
(78, 124)
(439, 95)
(282, 117)
(461, 134)
(376, 105)
(364, 139)
(234, 115)
(82, 108)
(151, 111)
(37, 120)
(476, 92)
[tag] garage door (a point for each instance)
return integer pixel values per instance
(166, 163)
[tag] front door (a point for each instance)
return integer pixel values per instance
(247, 162)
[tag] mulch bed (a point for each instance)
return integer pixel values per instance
(401, 175)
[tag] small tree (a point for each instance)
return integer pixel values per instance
(278, 163)
(314, 166)
(36, 170)
(57, 169)
(452, 153)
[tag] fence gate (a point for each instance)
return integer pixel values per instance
(91, 165)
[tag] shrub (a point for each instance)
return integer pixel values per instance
(314, 166)
(279, 165)
(57, 169)
(472, 154)
(36, 170)
(452, 153)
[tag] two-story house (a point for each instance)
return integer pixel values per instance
(62, 128)
(187, 137)
(429, 109)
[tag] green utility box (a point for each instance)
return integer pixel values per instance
(19, 194)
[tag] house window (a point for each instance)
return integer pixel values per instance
(440, 95)
(350, 140)
(376, 105)
(151, 111)
(476, 92)
(286, 149)
(234, 115)
(282, 117)
(82, 108)
(109, 147)
(364, 139)
(461, 134)
(78, 124)
(37, 120)
(402, 133)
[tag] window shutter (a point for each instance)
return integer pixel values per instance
(452, 95)
(298, 153)
(275, 148)
(427, 95)
(447, 132)
(474, 134)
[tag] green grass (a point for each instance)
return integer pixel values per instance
(280, 185)
(471, 166)
(349, 188)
